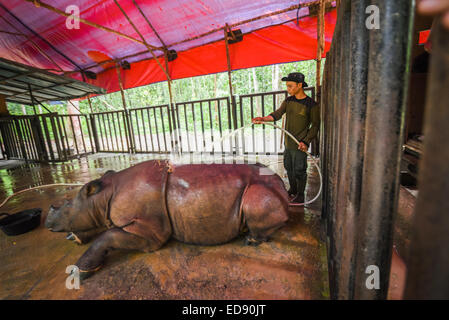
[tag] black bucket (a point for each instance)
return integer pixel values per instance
(20, 222)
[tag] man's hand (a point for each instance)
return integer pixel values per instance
(258, 120)
(435, 7)
(303, 147)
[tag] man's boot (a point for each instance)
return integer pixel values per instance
(301, 185)
(293, 188)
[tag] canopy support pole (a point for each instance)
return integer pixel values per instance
(74, 106)
(90, 104)
(128, 124)
(320, 49)
(233, 101)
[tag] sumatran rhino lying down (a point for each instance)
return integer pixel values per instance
(141, 207)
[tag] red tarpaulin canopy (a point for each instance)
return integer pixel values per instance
(40, 37)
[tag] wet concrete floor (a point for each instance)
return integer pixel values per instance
(33, 265)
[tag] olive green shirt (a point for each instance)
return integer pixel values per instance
(302, 120)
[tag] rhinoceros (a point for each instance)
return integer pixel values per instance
(143, 206)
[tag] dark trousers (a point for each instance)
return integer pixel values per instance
(295, 162)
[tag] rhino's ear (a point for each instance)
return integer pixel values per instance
(93, 187)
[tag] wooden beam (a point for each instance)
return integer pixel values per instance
(149, 23)
(143, 39)
(89, 23)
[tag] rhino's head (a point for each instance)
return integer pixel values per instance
(78, 214)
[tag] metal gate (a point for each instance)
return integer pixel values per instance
(46, 137)
(190, 127)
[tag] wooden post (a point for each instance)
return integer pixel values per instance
(320, 48)
(3, 107)
(233, 102)
(90, 104)
(319, 54)
(128, 123)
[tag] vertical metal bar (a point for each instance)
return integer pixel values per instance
(194, 126)
(110, 131)
(61, 119)
(428, 273)
(242, 124)
(176, 109)
(275, 136)
(74, 135)
(157, 130)
(187, 127)
(88, 124)
(33, 139)
(39, 139)
(106, 133)
(252, 128)
(82, 132)
(47, 137)
(127, 130)
(263, 126)
(55, 136)
(170, 128)
(219, 123)
(202, 127)
(99, 131)
(62, 137)
(116, 119)
(25, 138)
(114, 126)
(211, 122)
(229, 124)
(151, 131)
(137, 127)
(144, 131)
(94, 133)
(163, 128)
(389, 57)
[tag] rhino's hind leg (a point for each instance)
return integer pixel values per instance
(265, 211)
(115, 238)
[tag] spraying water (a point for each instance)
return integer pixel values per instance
(297, 142)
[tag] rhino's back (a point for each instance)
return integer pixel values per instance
(204, 201)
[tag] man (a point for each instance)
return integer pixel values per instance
(302, 121)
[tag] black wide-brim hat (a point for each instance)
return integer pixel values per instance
(296, 77)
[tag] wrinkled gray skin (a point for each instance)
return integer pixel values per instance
(141, 207)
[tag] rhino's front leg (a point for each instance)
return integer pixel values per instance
(83, 237)
(115, 238)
